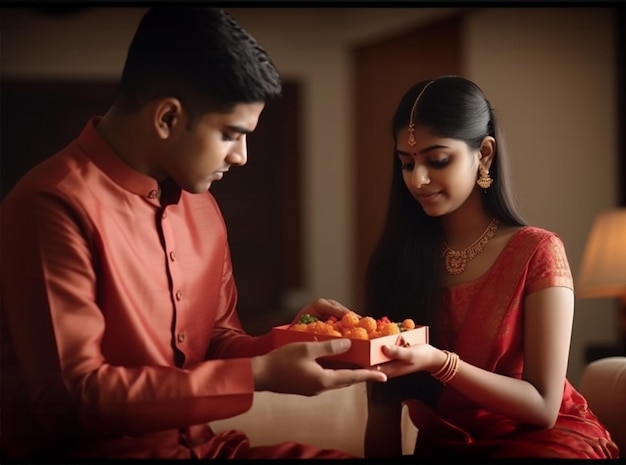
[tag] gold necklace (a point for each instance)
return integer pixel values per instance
(456, 260)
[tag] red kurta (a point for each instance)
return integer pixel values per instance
(119, 324)
(483, 323)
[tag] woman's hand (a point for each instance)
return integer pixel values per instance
(322, 309)
(293, 369)
(419, 357)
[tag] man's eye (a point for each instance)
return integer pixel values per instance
(227, 137)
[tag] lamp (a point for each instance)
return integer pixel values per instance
(603, 267)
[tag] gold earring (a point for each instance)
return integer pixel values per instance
(484, 180)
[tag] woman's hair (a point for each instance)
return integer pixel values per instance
(201, 56)
(404, 274)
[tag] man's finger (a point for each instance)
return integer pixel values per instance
(352, 376)
(330, 347)
(327, 307)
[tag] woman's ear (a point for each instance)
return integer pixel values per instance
(487, 151)
(167, 115)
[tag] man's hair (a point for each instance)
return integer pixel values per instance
(201, 56)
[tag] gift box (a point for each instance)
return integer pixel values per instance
(363, 353)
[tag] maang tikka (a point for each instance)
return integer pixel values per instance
(412, 140)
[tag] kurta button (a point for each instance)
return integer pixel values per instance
(153, 194)
(181, 337)
(172, 256)
(179, 295)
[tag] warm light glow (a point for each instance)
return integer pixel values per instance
(603, 268)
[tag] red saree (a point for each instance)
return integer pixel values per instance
(486, 331)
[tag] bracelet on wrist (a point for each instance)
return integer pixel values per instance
(449, 368)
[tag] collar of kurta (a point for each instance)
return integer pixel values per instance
(103, 155)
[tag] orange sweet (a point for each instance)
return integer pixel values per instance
(387, 329)
(368, 323)
(356, 332)
(353, 326)
(350, 320)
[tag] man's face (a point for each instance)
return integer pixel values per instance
(201, 153)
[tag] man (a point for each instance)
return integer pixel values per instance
(120, 336)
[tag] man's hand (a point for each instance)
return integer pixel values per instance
(293, 369)
(322, 309)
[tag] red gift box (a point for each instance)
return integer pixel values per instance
(362, 352)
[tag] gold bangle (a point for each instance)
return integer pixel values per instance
(449, 368)
(437, 374)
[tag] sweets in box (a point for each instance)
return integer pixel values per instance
(367, 334)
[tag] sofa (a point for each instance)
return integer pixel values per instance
(604, 386)
(336, 419)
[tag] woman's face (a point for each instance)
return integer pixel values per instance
(439, 172)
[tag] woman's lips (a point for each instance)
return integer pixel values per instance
(427, 196)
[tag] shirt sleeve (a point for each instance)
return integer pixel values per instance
(49, 291)
(228, 339)
(549, 266)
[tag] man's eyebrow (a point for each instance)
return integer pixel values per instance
(239, 129)
(423, 151)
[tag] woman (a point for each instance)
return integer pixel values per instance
(496, 293)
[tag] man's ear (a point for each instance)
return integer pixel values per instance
(167, 115)
(487, 151)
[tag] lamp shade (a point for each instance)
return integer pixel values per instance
(603, 267)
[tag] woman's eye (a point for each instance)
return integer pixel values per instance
(407, 166)
(439, 163)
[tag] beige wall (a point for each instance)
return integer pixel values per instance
(549, 72)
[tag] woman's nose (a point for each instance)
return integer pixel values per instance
(419, 176)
